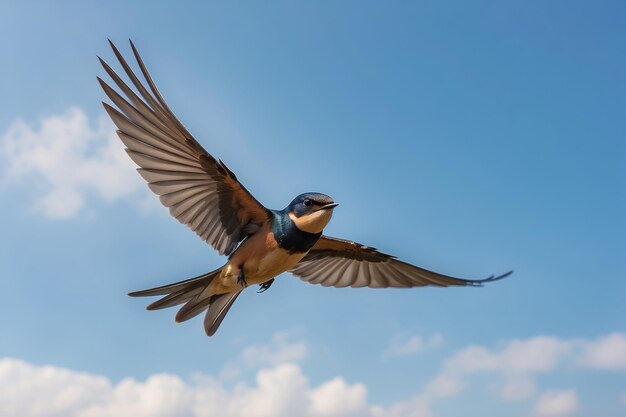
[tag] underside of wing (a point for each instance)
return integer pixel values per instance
(336, 262)
(199, 190)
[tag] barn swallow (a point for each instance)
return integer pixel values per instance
(260, 243)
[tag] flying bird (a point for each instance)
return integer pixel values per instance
(260, 243)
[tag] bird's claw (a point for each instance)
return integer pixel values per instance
(241, 279)
(265, 286)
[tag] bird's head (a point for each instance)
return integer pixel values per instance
(311, 212)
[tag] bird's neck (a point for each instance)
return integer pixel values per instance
(289, 237)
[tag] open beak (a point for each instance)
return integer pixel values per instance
(329, 206)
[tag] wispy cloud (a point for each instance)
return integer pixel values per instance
(557, 403)
(516, 387)
(606, 353)
(403, 345)
(444, 385)
(518, 362)
(65, 160)
(280, 349)
(417, 406)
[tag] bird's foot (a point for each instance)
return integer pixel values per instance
(265, 286)
(241, 279)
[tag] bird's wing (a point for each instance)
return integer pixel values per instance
(336, 262)
(199, 190)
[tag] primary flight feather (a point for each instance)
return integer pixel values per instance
(201, 192)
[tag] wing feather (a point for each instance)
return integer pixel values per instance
(341, 263)
(126, 126)
(199, 190)
(156, 175)
(139, 103)
(163, 151)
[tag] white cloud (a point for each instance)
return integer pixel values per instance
(281, 391)
(338, 398)
(518, 362)
(47, 391)
(557, 403)
(64, 160)
(472, 359)
(538, 354)
(410, 345)
(608, 352)
(160, 395)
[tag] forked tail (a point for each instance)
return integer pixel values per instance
(191, 293)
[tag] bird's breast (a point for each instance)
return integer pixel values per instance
(261, 258)
(276, 262)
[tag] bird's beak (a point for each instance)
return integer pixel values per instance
(329, 206)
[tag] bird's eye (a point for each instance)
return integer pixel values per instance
(308, 202)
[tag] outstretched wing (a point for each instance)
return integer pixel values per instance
(342, 263)
(199, 190)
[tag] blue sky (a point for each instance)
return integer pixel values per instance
(466, 138)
